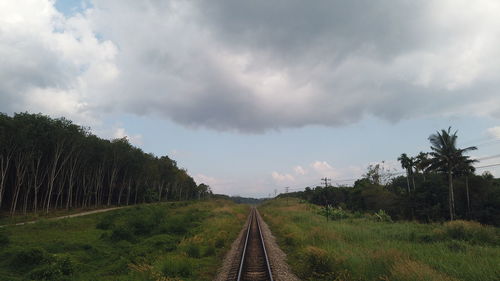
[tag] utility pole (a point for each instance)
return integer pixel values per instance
(286, 192)
(275, 192)
(326, 181)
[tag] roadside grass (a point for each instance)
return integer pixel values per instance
(165, 241)
(360, 247)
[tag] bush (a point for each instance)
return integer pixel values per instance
(164, 242)
(219, 242)
(338, 214)
(47, 272)
(4, 239)
(209, 251)
(193, 251)
(290, 239)
(122, 233)
(106, 222)
(317, 264)
(53, 271)
(382, 216)
(471, 231)
(27, 258)
(177, 267)
(175, 226)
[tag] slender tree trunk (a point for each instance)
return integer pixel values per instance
(4, 167)
(450, 195)
(408, 181)
(129, 186)
(21, 168)
(467, 192)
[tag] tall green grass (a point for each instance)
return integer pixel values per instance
(167, 241)
(361, 247)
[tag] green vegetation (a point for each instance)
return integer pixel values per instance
(164, 241)
(355, 246)
(439, 185)
(48, 164)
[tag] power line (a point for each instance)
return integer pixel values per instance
(488, 157)
(487, 166)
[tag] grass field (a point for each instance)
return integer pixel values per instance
(167, 241)
(361, 247)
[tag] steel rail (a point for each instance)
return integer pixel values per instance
(240, 271)
(242, 262)
(264, 248)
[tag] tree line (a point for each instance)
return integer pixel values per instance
(438, 185)
(48, 163)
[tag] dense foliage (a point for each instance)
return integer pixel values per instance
(438, 185)
(48, 163)
(428, 202)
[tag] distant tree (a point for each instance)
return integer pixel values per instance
(408, 163)
(448, 159)
(421, 163)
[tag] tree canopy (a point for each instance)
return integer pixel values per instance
(50, 163)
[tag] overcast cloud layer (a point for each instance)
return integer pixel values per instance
(251, 66)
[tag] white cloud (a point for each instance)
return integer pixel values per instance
(299, 170)
(50, 63)
(252, 66)
(282, 178)
(494, 132)
(324, 169)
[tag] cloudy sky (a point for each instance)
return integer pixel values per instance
(253, 96)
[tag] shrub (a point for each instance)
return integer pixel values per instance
(471, 231)
(193, 251)
(177, 267)
(164, 242)
(317, 264)
(209, 251)
(338, 214)
(141, 225)
(122, 233)
(4, 239)
(219, 242)
(382, 260)
(175, 225)
(106, 222)
(47, 272)
(53, 271)
(456, 246)
(382, 216)
(290, 239)
(27, 258)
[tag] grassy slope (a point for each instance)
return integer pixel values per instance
(364, 249)
(182, 240)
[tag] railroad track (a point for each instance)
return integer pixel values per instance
(253, 263)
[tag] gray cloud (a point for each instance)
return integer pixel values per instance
(253, 66)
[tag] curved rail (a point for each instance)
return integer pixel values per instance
(258, 252)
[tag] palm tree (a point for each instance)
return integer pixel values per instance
(407, 164)
(448, 159)
(421, 163)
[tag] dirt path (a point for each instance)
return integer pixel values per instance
(69, 216)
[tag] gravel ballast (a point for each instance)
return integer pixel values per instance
(277, 258)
